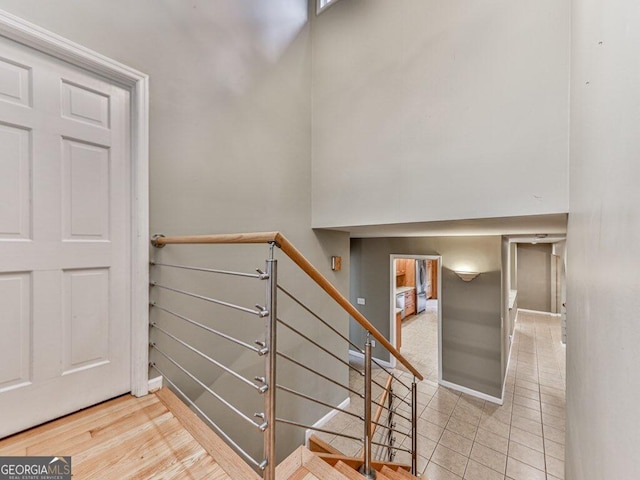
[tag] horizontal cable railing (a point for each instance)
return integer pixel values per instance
(380, 429)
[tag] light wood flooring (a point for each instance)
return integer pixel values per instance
(153, 437)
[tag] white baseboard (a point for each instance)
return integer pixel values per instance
(473, 393)
(360, 356)
(155, 383)
(344, 404)
(540, 312)
(506, 372)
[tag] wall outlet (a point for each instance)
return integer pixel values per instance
(361, 301)
(373, 344)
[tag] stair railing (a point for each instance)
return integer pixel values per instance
(380, 430)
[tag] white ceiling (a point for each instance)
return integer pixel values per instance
(554, 225)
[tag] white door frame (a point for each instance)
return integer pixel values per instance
(19, 30)
(392, 301)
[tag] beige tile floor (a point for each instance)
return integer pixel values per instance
(462, 437)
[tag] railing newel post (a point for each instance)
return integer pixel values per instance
(414, 427)
(269, 472)
(390, 437)
(366, 470)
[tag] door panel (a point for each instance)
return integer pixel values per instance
(65, 260)
(15, 324)
(15, 185)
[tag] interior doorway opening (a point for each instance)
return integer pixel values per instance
(416, 313)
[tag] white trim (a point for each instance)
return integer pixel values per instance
(474, 393)
(539, 312)
(392, 301)
(344, 404)
(360, 357)
(506, 372)
(19, 30)
(155, 383)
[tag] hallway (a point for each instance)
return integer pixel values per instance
(462, 437)
(420, 341)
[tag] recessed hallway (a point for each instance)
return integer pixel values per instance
(420, 341)
(462, 437)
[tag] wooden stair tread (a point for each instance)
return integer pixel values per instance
(392, 474)
(347, 471)
(399, 474)
(318, 445)
(355, 462)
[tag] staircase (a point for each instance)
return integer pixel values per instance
(303, 464)
(158, 437)
(380, 419)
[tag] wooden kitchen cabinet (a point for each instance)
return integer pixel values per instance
(398, 330)
(409, 303)
(405, 272)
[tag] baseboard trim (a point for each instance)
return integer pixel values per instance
(539, 312)
(155, 383)
(360, 356)
(473, 393)
(344, 404)
(506, 372)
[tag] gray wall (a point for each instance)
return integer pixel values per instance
(534, 276)
(230, 146)
(472, 93)
(603, 244)
(471, 326)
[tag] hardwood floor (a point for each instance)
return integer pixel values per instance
(153, 437)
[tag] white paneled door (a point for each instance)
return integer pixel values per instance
(65, 214)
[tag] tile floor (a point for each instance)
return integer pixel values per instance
(420, 341)
(462, 437)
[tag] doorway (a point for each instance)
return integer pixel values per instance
(416, 313)
(74, 255)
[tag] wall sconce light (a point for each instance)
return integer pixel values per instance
(336, 264)
(466, 276)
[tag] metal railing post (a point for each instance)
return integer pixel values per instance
(270, 369)
(366, 470)
(414, 427)
(390, 438)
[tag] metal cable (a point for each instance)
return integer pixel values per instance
(239, 449)
(328, 352)
(259, 313)
(209, 270)
(315, 400)
(296, 362)
(208, 358)
(209, 329)
(290, 295)
(216, 395)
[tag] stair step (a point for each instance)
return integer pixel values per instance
(347, 471)
(399, 474)
(318, 445)
(392, 474)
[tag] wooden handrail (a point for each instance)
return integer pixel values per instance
(296, 256)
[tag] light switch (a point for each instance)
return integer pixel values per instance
(360, 301)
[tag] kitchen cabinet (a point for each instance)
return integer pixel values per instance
(398, 330)
(405, 272)
(410, 303)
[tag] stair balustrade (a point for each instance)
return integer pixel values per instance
(388, 408)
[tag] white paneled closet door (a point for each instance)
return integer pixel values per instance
(65, 210)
